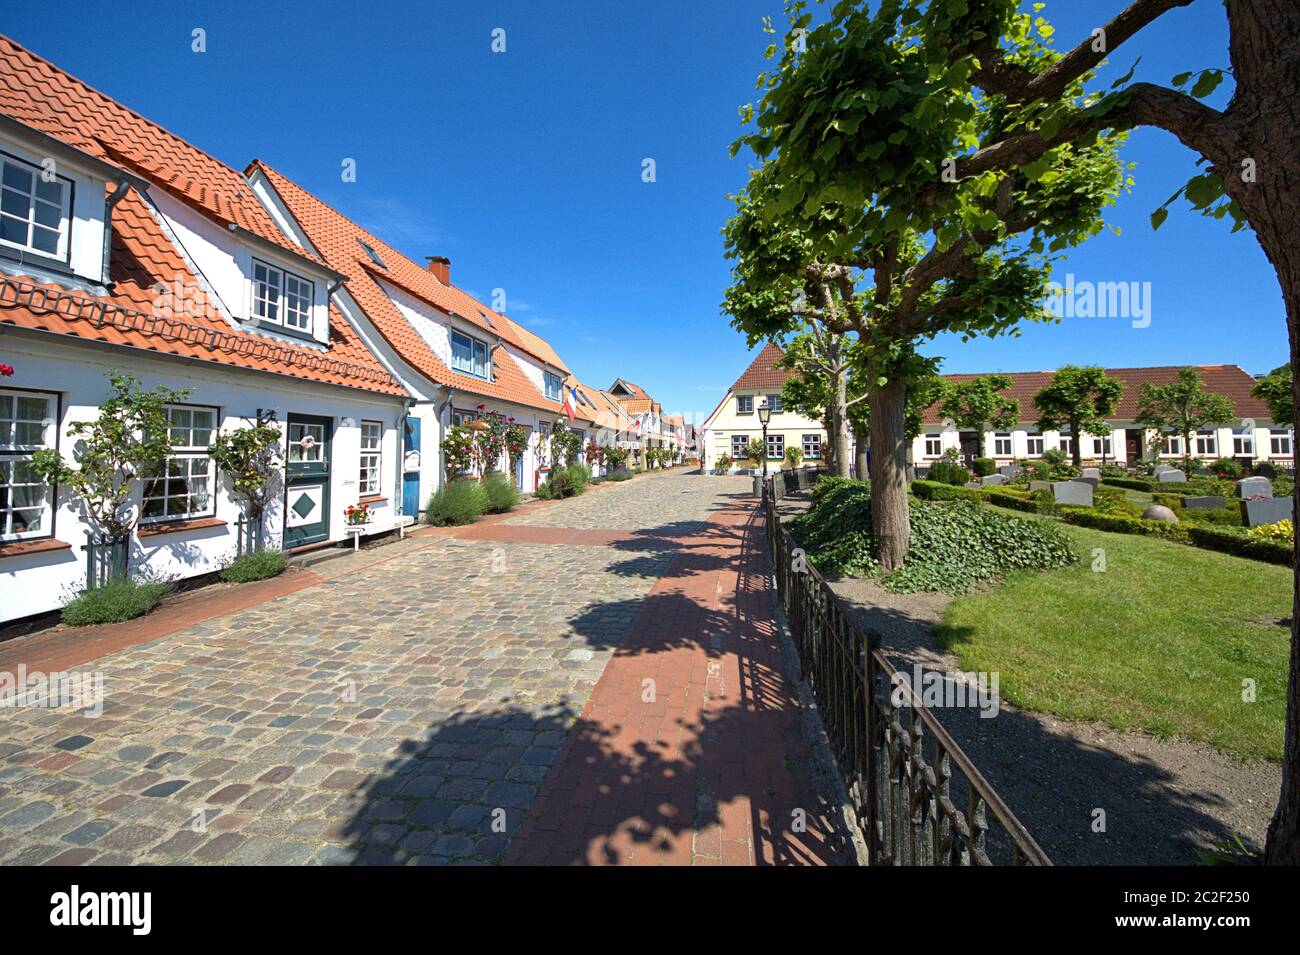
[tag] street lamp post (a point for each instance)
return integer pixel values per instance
(764, 416)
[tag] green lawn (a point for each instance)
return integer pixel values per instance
(1160, 641)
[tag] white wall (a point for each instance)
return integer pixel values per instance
(37, 583)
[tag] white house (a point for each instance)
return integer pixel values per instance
(123, 247)
(734, 422)
(1252, 436)
(455, 355)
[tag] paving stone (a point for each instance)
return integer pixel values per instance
(88, 832)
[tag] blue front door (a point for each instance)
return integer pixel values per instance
(411, 467)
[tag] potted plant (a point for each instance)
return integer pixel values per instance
(357, 514)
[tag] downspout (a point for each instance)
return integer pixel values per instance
(407, 403)
(122, 186)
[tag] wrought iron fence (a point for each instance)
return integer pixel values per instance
(916, 797)
(106, 559)
(248, 535)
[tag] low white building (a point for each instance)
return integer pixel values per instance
(734, 422)
(124, 248)
(1251, 437)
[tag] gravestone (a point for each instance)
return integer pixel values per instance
(993, 479)
(1208, 502)
(1073, 492)
(1171, 476)
(1091, 473)
(1159, 468)
(1011, 470)
(1266, 510)
(1254, 487)
(1040, 486)
(1089, 480)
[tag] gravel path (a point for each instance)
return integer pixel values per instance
(1163, 799)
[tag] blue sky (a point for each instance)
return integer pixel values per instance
(525, 166)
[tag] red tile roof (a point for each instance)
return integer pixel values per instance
(142, 257)
(762, 371)
(338, 240)
(1227, 380)
(39, 94)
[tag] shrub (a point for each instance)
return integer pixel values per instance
(1283, 532)
(458, 502)
(723, 463)
(1005, 498)
(754, 452)
(114, 602)
(949, 472)
(932, 490)
(985, 466)
(954, 544)
(500, 493)
(579, 477)
(1120, 523)
(255, 565)
(1112, 500)
(793, 456)
(1240, 543)
(1133, 484)
(1226, 469)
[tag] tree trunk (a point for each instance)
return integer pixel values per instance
(1076, 445)
(889, 517)
(840, 439)
(828, 449)
(1263, 133)
(861, 442)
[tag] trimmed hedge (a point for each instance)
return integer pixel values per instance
(1230, 542)
(1120, 523)
(1004, 498)
(1132, 484)
(942, 491)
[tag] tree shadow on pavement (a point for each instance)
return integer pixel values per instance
(475, 781)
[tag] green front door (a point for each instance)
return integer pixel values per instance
(307, 481)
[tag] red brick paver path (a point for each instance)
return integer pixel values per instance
(689, 750)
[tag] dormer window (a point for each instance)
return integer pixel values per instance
(281, 297)
(552, 385)
(470, 356)
(35, 208)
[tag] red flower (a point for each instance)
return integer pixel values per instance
(6, 371)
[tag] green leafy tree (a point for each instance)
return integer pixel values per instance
(1079, 399)
(249, 457)
(459, 449)
(755, 453)
(1183, 406)
(129, 441)
(565, 444)
(978, 404)
(1275, 390)
(857, 131)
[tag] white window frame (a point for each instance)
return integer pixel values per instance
(187, 455)
(1065, 441)
(1172, 445)
(774, 403)
(813, 441)
(744, 404)
(372, 441)
(1034, 445)
(1243, 443)
(1207, 443)
(776, 441)
(478, 350)
(934, 445)
(1102, 447)
(63, 249)
(13, 453)
(553, 385)
(1002, 444)
(738, 442)
(294, 317)
(1280, 442)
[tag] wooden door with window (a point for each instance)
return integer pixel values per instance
(307, 481)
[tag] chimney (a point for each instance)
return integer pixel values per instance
(440, 266)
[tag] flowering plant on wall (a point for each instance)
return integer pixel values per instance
(6, 371)
(491, 438)
(357, 514)
(459, 451)
(516, 441)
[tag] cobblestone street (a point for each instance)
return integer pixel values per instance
(418, 708)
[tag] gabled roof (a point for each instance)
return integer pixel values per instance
(762, 371)
(142, 257)
(622, 388)
(40, 95)
(1227, 380)
(339, 240)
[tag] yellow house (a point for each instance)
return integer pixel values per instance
(734, 422)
